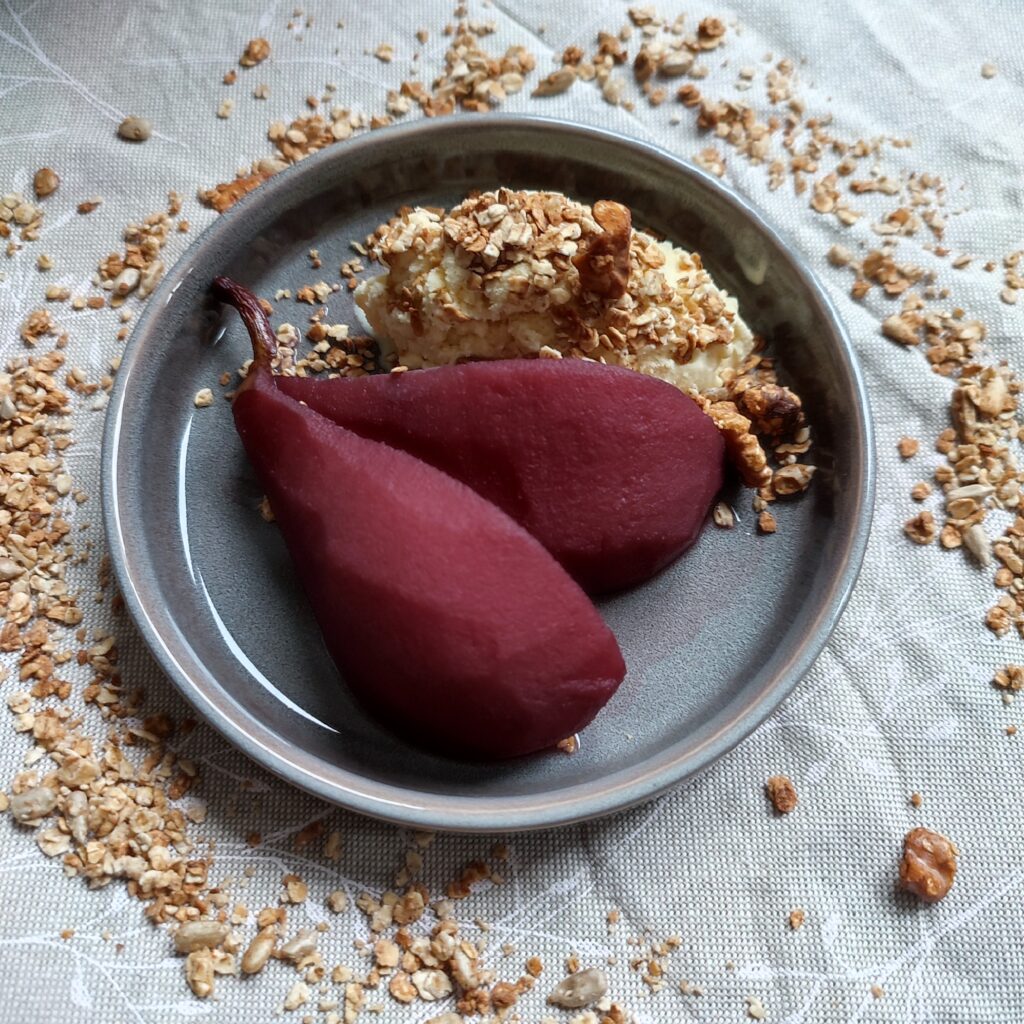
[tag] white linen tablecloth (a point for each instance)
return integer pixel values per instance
(900, 701)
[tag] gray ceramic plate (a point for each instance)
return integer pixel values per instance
(713, 644)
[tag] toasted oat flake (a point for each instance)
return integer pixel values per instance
(755, 1008)
(908, 447)
(556, 83)
(792, 479)
(840, 256)
(296, 890)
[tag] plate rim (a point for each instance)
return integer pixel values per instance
(403, 806)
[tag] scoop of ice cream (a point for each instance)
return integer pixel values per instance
(510, 274)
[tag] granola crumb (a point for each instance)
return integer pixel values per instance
(45, 182)
(908, 447)
(711, 160)
(755, 1008)
(256, 51)
(840, 256)
(133, 129)
(1009, 677)
(916, 800)
(921, 529)
(797, 916)
(723, 516)
(988, 70)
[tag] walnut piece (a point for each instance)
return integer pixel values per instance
(771, 408)
(929, 864)
(782, 793)
(743, 448)
(603, 263)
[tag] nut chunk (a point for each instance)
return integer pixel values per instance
(256, 51)
(782, 793)
(929, 864)
(603, 262)
(771, 408)
(743, 448)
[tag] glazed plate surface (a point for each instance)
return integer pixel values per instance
(712, 645)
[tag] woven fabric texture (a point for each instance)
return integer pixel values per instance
(900, 701)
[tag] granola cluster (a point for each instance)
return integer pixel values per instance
(104, 807)
(473, 79)
(981, 474)
(21, 218)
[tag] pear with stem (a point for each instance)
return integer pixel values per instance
(449, 622)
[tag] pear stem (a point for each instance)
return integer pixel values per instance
(254, 316)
